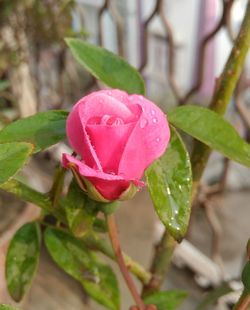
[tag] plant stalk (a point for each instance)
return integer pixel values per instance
(162, 259)
(244, 302)
(113, 234)
(225, 86)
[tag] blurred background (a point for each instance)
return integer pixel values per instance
(180, 47)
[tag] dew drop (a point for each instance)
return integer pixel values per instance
(143, 123)
(155, 120)
(153, 112)
(157, 139)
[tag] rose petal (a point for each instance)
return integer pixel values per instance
(148, 140)
(109, 186)
(109, 143)
(99, 104)
(79, 139)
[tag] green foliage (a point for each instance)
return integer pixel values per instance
(4, 85)
(211, 129)
(80, 215)
(97, 279)
(246, 277)
(22, 260)
(213, 296)
(170, 183)
(109, 68)
(42, 129)
(7, 307)
(13, 156)
(169, 300)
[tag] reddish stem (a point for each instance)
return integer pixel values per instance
(113, 234)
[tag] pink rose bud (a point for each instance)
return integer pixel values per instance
(116, 137)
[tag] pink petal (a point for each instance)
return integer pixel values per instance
(99, 103)
(109, 143)
(109, 186)
(148, 140)
(79, 139)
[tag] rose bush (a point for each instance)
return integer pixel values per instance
(116, 137)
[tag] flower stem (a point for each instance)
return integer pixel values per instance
(113, 234)
(244, 302)
(160, 264)
(224, 89)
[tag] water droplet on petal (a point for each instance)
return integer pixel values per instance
(155, 120)
(153, 112)
(143, 123)
(158, 140)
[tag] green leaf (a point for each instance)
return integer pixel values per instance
(170, 184)
(246, 277)
(111, 69)
(13, 156)
(42, 129)
(97, 279)
(169, 300)
(213, 296)
(4, 85)
(80, 215)
(7, 307)
(211, 129)
(22, 260)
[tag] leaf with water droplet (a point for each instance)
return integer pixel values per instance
(22, 260)
(97, 278)
(170, 184)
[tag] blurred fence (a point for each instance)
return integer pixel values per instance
(179, 46)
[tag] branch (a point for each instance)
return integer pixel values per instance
(162, 259)
(113, 235)
(244, 302)
(224, 89)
